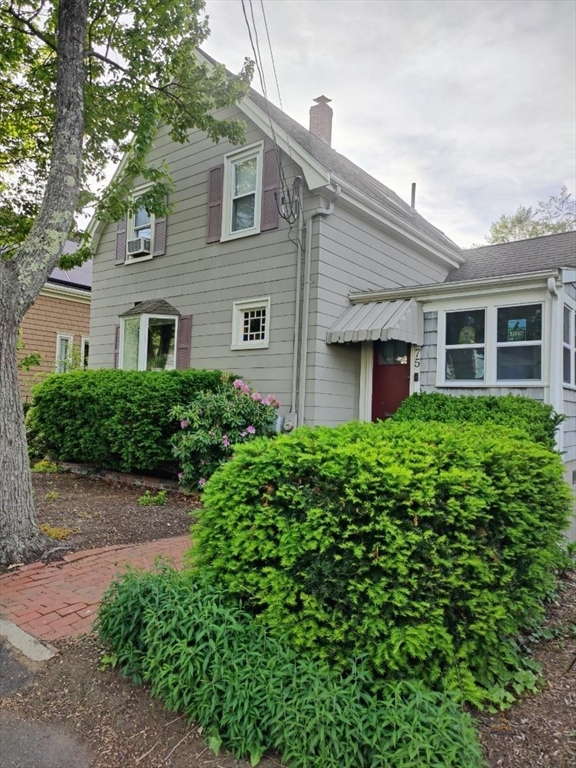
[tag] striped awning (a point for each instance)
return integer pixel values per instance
(401, 320)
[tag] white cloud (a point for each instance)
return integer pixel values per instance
(474, 100)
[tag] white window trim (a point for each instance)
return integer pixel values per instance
(130, 228)
(571, 345)
(491, 345)
(238, 309)
(70, 338)
(142, 335)
(84, 340)
(253, 150)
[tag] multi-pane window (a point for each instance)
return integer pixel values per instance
(569, 346)
(519, 343)
(251, 324)
(148, 343)
(465, 341)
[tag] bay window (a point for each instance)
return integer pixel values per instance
(148, 343)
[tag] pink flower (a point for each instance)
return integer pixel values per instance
(202, 482)
(256, 396)
(238, 384)
(245, 389)
(183, 424)
(243, 434)
(180, 475)
(225, 441)
(251, 430)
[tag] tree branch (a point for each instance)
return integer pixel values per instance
(34, 31)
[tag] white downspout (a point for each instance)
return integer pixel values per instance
(306, 300)
(555, 359)
(293, 405)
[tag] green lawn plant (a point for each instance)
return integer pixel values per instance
(537, 419)
(149, 499)
(213, 423)
(424, 548)
(209, 659)
(116, 419)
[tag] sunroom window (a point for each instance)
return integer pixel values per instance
(519, 343)
(465, 345)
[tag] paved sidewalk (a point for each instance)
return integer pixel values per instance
(61, 599)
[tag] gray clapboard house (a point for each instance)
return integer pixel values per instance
(340, 308)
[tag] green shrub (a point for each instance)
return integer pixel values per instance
(211, 661)
(150, 500)
(213, 423)
(424, 547)
(540, 421)
(115, 419)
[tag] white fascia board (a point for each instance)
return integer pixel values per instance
(397, 225)
(464, 289)
(64, 292)
(315, 174)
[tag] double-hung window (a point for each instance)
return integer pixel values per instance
(139, 242)
(64, 346)
(519, 343)
(569, 346)
(242, 192)
(148, 342)
(465, 345)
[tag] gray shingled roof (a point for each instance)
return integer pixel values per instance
(353, 174)
(520, 257)
(77, 277)
(152, 306)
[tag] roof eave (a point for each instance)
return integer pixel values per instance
(442, 290)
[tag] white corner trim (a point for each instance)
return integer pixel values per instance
(366, 373)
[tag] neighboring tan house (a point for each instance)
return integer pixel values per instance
(334, 307)
(57, 326)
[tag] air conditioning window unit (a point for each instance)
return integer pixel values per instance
(139, 247)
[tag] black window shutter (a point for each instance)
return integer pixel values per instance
(270, 182)
(215, 193)
(184, 342)
(120, 257)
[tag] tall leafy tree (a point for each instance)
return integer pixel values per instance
(550, 217)
(81, 83)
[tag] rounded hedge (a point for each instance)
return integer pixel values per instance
(118, 420)
(421, 546)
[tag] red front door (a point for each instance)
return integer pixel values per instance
(391, 377)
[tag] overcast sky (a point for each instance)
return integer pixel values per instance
(472, 99)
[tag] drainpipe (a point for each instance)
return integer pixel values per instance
(292, 417)
(555, 358)
(306, 299)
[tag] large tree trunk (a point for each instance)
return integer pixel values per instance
(22, 277)
(20, 538)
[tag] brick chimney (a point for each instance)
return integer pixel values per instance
(321, 119)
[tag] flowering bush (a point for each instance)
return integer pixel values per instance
(213, 423)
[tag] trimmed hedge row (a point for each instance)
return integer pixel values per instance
(425, 548)
(537, 419)
(118, 420)
(252, 693)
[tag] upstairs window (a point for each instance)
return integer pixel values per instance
(140, 236)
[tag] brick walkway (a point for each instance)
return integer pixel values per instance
(61, 599)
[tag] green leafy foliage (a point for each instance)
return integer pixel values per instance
(148, 499)
(425, 548)
(208, 658)
(45, 466)
(214, 422)
(537, 419)
(115, 419)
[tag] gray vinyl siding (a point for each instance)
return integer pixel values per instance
(202, 279)
(349, 254)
